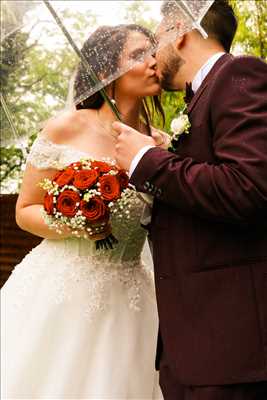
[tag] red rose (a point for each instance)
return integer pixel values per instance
(57, 175)
(123, 179)
(110, 187)
(102, 166)
(48, 203)
(84, 179)
(95, 209)
(67, 203)
(64, 177)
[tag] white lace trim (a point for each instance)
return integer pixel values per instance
(45, 154)
(66, 278)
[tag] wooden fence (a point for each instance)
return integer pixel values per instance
(14, 243)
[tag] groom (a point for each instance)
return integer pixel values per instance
(209, 219)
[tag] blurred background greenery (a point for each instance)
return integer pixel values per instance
(31, 74)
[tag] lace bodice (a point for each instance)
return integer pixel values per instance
(126, 226)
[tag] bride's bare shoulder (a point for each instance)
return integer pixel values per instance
(66, 125)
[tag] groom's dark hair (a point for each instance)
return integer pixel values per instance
(220, 21)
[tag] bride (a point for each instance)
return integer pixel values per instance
(80, 323)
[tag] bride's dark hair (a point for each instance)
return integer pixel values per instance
(102, 51)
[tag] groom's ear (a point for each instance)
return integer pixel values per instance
(180, 41)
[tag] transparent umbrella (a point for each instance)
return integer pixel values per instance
(52, 33)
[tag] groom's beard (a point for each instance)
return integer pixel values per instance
(169, 71)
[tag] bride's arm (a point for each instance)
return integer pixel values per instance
(29, 204)
(31, 196)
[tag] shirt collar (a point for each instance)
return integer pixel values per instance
(204, 70)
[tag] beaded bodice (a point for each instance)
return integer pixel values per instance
(125, 222)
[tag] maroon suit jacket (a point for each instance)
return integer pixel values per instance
(209, 230)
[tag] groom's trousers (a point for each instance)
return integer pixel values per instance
(244, 391)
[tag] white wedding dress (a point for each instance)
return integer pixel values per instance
(78, 323)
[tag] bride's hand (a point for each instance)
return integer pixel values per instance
(161, 138)
(91, 234)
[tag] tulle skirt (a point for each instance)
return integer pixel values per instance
(71, 330)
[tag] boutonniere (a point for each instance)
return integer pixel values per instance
(180, 127)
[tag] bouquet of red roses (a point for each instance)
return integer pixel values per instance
(83, 196)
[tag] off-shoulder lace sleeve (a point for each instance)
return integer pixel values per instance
(45, 154)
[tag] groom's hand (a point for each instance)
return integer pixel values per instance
(129, 143)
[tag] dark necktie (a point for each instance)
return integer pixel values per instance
(188, 93)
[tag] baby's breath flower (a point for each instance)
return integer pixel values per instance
(46, 184)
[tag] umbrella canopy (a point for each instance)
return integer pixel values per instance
(55, 29)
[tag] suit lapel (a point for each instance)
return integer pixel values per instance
(197, 96)
(226, 57)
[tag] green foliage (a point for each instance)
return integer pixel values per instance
(12, 165)
(35, 77)
(251, 36)
(12, 159)
(172, 103)
(13, 53)
(135, 12)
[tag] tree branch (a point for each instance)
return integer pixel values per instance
(29, 85)
(258, 13)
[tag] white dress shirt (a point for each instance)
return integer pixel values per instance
(196, 83)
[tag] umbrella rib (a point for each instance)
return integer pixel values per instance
(196, 24)
(8, 115)
(15, 132)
